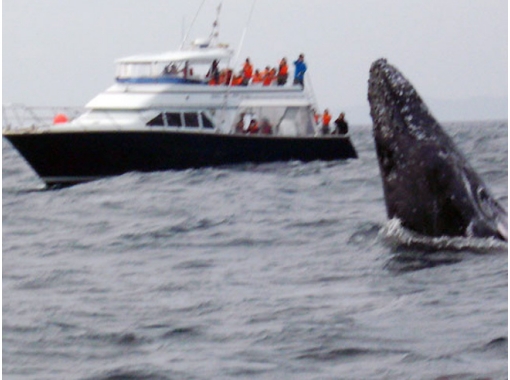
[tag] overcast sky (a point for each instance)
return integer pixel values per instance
(61, 52)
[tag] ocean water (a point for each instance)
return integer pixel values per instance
(274, 271)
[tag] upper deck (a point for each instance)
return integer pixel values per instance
(183, 79)
(180, 67)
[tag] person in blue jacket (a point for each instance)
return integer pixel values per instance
(299, 73)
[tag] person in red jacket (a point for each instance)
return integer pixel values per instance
(253, 128)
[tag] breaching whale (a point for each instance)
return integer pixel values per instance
(428, 184)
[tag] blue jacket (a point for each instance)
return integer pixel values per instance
(300, 69)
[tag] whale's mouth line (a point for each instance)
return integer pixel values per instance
(503, 231)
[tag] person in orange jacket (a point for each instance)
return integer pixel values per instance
(237, 80)
(247, 72)
(283, 72)
(270, 77)
(257, 77)
(316, 117)
(264, 72)
(326, 119)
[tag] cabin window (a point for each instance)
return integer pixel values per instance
(173, 119)
(157, 121)
(206, 122)
(191, 119)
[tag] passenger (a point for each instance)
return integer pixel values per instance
(228, 77)
(240, 125)
(214, 73)
(283, 72)
(299, 74)
(316, 116)
(257, 77)
(269, 78)
(274, 71)
(215, 79)
(326, 119)
(171, 69)
(265, 127)
(237, 80)
(253, 128)
(265, 72)
(341, 126)
(187, 71)
(247, 72)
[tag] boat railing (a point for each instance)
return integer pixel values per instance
(19, 117)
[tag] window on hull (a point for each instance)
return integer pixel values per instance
(173, 119)
(157, 121)
(178, 120)
(191, 120)
(206, 122)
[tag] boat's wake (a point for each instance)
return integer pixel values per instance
(394, 234)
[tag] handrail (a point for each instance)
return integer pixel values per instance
(17, 116)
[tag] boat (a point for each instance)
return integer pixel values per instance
(164, 113)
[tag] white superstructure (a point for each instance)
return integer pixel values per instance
(172, 90)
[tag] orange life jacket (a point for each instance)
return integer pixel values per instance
(326, 118)
(237, 81)
(269, 78)
(253, 128)
(284, 69)
(257, 78)
(247, 71)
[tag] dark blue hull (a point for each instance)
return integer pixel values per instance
(66, 158)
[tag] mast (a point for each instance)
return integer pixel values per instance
(215, 32)
(191, 26)
(236, 59)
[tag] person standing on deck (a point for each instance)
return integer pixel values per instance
(342, 128)
(326, 119)
(214, 74)
(247, 72)
(283, 72)
(299, 73)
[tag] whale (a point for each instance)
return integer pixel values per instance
(428, 184)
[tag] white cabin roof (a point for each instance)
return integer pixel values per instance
(194, 55)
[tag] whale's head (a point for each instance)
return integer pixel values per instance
(427, 182)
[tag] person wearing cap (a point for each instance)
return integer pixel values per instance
(299, 73)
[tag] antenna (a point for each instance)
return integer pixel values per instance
(183, 28)
(215, 32)
(192, 22)
(241, 42)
